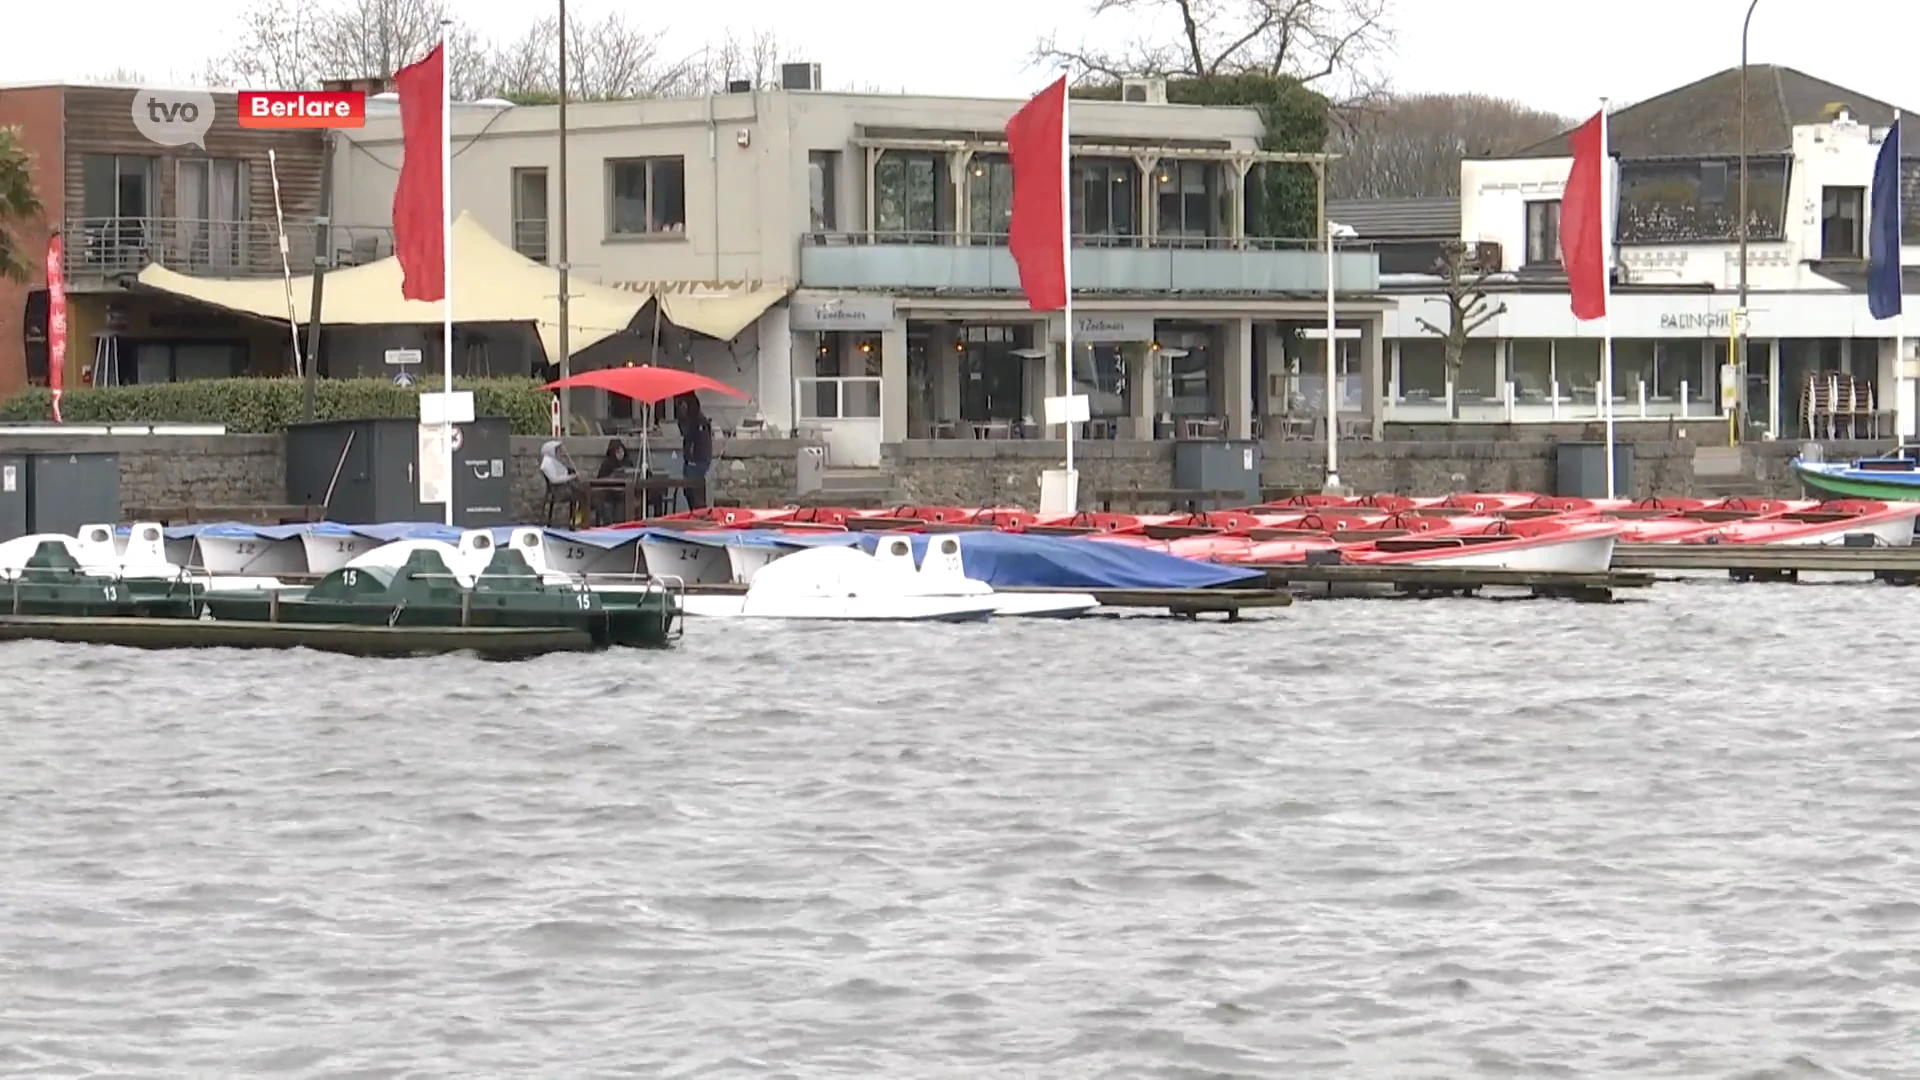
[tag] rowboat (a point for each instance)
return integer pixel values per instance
(1542, 545)
(1841, 522)
(1893, 477)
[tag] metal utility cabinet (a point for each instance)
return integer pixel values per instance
(1580, 469)
(57, 493)
(368, 471)
(1218, 465)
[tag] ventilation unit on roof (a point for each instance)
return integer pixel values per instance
(739, 86)
(1144, 91)
(799, 76)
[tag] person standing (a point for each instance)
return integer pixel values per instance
(696, 448)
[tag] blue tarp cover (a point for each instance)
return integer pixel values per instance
(765, 538)
(1022, 561)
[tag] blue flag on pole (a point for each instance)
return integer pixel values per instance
(1883, 238)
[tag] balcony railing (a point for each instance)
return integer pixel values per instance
(116, 247)
(530, 238)
(979, 262)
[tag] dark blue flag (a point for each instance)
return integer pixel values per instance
(1883, 238)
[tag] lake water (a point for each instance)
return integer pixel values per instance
(1672, 837)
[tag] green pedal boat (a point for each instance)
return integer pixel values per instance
(508, 608)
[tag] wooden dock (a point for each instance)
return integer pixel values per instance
(492, 643)
(1433, 581)
(1773, 562)
(1186, 603)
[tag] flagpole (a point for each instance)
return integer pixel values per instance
(446, 262)
(1066, 275)
(1900, 402)
(1606, 292)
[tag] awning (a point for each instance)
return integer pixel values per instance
(492, 283)
(720, 313)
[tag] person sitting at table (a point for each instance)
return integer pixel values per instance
(563, 482)
(696, 447)
(608, 504)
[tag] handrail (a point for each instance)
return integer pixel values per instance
(945, 238)
(214, 247)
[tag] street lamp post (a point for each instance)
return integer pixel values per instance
(1739, 337)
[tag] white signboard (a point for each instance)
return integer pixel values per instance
(435, 482)
(1077, 409)
(403, 356)
(1109, 327)
(10, 478)
(440, 408)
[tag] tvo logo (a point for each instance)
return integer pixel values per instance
(173, 117)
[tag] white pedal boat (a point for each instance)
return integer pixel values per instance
(139, 555)
(838, 584)
(943, 571)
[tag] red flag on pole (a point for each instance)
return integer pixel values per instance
(56, 319)
(1036, 141)
(1583, 241)
(419, 218)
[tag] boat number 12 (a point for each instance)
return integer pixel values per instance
(246, 547)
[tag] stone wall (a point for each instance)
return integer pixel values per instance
(178, 470)
(251, 469)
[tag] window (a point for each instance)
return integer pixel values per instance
(989, 198)
(1713, 181)
(1185, 197)
(530, 213)
(912, 196)
(180, 361)
(823, 189)
(1842, 215)
(647, 196)
(1106, 201)
(119, 186)
(1543, 233)
(210, 199)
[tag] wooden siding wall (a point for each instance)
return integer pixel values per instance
(99, 120)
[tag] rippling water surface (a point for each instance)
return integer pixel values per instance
(1665, 838)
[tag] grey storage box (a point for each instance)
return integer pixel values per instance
(66, 491)
(1581, 469)
(366, 472)
(16, 509)
(1218, 465)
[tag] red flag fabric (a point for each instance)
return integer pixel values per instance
(56, 319)
(1036, 137)
(419, 218)
(1583, 241)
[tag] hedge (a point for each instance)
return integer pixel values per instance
(264, 406)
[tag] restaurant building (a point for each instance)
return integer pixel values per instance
(1815, 361)
(842, 259)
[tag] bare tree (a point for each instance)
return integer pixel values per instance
(1464, 270)
(1411, 146)
(755, 60)
(121, 75)
(272, 48)
(1332, 45)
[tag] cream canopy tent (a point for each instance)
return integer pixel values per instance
(491, 283)
(714, 312)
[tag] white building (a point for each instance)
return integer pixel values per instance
(841, 258)
(1811, 149)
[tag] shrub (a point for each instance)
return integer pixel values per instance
(264, 406)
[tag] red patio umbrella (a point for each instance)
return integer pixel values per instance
(644, 383)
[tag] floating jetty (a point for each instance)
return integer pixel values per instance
(1436, 581)
(1773, 562)
(389, 642)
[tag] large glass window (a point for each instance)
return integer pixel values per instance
(910, 191)
(1106, 200)
(989, 198)
(646, 195)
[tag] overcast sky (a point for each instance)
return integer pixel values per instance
(1539, 52)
